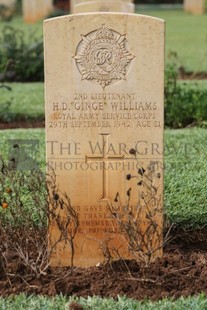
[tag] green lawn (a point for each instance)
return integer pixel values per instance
(186, 176)
(18, 23)
(26, 101)
(199, 84)
(185, 36)
(95, 303)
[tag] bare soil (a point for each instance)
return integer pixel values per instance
(181, 271)
(22, 124)
(183, 75)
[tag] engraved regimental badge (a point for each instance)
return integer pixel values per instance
(102, 56)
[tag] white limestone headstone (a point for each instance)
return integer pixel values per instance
(195, 7)
(104, 85)
(34, 10)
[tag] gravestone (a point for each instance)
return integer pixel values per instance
(7, 8)
(80, 6)
(9, 3)
(48, 7)
(104, 86)
(196, 7)
(34, 10)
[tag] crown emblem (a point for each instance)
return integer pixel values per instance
(102, 56)
(104, 33)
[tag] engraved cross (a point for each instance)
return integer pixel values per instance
(104, 158)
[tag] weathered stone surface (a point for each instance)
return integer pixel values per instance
(104, 81)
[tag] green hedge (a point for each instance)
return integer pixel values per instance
(21, 56)
(185, 103)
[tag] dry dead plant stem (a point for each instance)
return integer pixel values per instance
(140, 226)
(62, 214)
(32, 201)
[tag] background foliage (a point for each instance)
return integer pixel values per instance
(185, 103)
(21, 57)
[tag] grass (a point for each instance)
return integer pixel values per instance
(185, 36)
(18, 23)
(60, 303)
(15, 134)
(186, 177)
(185, 172)
(27, 101)
(199, 84)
